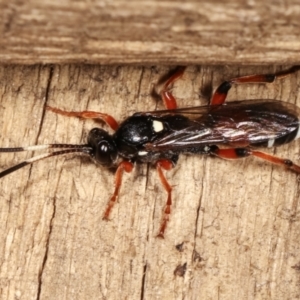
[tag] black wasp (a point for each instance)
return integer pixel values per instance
(160, 136)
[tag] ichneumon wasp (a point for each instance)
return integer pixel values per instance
(158, 137)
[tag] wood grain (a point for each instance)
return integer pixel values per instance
(150, 32)
(238, 221)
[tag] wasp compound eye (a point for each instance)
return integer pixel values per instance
(104, 148)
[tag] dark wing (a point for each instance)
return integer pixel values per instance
(189, 137)
(250, 122)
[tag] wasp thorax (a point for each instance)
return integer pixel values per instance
(104, 148)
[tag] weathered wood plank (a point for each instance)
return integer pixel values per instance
(238, 220)
(150, 32)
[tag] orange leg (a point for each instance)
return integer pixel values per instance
(234, 153)
(109, 120)
(168, 98)
(166, 165)
(123, 166)
(221, 92)
(277, 160)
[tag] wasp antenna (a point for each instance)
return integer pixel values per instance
(43, 147)
(83, 149)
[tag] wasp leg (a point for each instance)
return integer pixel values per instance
(229, 153)
(109, 120)
(277, 160)
(221, 92)
(168, 99)
(166, 165)
(234, 153)
(126, 166)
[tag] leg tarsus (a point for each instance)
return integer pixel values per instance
(166, 165)
(168, 99)
(277, 160)
(123, 166)
(288, 72)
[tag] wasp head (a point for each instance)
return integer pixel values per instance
(104, 148)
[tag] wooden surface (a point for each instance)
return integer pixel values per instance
(238, 221)
(150, 32)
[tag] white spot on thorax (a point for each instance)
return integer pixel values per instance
(158, 126)
(142, 153)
